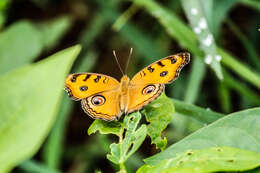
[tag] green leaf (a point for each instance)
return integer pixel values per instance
(239, 130)
(53, 30)
(196, 15)
(20, 44)
(174, 26)
(105, 127)
(159, 114)
(196, 76)
(54, 147)
(187, 39)
(29, 104)
(131, 141)
(35, 167)
(207, 160)
(196, 112)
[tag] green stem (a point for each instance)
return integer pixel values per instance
(122, 168)
(196, 112)
(122, 19)
(239, 68)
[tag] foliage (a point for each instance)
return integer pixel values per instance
(209, 126)
(26, 135)
(207, 160)
(159, 114)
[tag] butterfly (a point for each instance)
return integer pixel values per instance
(104, 97)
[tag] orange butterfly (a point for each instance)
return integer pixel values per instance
(103, 97)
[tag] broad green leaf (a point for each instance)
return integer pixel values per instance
(53, 30)
(20, 44)
(54, 147)
(239, 130)
(129, 142)
(214, 159)
(29, 104)
(105, 127)
(159, 114)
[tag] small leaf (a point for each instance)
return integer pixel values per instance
(105, 127)
(29, 102)
(239, 130)
(159, 114)
(131, 142)
(207, 160)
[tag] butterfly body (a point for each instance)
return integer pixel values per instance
(103, 97)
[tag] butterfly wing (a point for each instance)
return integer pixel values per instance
(104, 105)
(141, 95)
(98, 94)
(82, 85)
(163, 71)
(148, 84)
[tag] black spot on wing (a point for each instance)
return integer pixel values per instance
(97, 79)
(164, 73)
(74, 77)
(87, 77)
(105, 80)
(160, 64)
(172, 59)
(83, 88)
(150, 69)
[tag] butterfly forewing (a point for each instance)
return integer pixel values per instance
(82, 85)
(148, 84)
(162, 71)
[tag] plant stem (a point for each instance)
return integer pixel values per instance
(244, 71)
(122, 168)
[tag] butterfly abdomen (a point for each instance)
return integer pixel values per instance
(124, 93)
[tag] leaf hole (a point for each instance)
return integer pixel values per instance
(231, 160)
(189, 153)
(219, 149)
(130, 148)
(123, 135)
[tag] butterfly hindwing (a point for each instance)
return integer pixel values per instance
(82, 85)
(162, 71)
(104, 105)
(141, 95)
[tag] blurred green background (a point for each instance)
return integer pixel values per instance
(31, 30)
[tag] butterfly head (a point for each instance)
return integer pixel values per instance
(125, 78)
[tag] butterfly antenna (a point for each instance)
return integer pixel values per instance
(128, 60)
(114, 52)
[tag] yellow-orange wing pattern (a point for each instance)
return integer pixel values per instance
(148, 84)
(82, 85)
(99, 94)
(162, 71)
